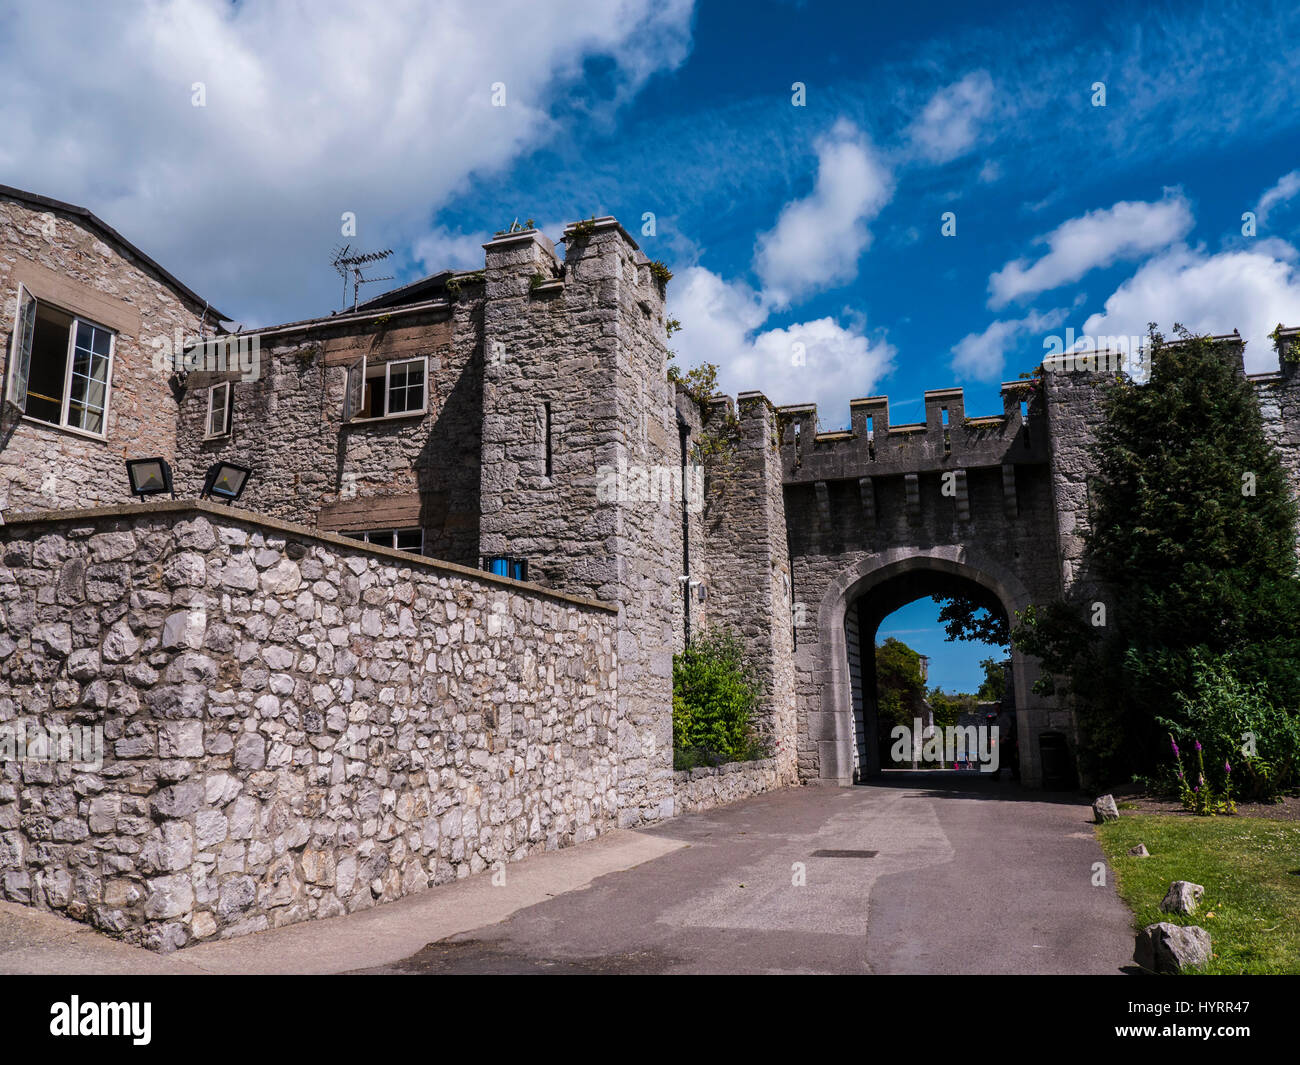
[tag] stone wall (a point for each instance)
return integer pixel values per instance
(748, 560)
(700, 789)
(67, 263)
(1074, 409)
(1279, 406)
(691, 610)
(295, 725)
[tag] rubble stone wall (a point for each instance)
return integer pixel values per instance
(295, 725)
(712, 786)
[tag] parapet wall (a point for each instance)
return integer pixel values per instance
(294, 725)
(872, 446)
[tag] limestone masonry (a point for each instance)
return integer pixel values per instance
(435, 633)
(296, 727)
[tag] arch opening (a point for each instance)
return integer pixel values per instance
(900, 720)
(873, 586)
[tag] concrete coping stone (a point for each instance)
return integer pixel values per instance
(234, 515)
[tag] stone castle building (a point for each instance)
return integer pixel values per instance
(436, 631)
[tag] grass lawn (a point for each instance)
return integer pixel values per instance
(1249, 866)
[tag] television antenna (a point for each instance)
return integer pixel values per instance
(352, 264)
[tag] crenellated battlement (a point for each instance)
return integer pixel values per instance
(873, 446)
(946, 438)
(1287, 343)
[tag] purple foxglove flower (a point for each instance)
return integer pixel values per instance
(1198, 745)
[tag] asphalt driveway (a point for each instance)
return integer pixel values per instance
(923, 873)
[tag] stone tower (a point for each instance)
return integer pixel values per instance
(579, 428)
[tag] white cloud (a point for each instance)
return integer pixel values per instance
(818, 361)
(1287, 186)
(817, 241)
(441, 249)
(982, 356)
(1128, 230)
(1250, 291)
(949, 124)
(311, 110)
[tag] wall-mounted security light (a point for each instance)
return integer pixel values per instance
(149, 477)
(225, 480)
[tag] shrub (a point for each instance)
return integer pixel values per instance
(1237, 725)
(715, 693)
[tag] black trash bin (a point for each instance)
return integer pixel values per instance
(1054, 757)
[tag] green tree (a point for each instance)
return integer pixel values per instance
(975, 617)
(994, 685)
(1192, 530)
(899, 686)
(948, 708)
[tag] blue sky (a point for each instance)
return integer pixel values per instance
(949, 109)
(228, 140)
(806, 241)
(954, 667)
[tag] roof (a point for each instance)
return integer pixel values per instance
(344, 318)
(415, 292)
(92, 221)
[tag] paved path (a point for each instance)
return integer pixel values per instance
(32, 941)
(968, 875)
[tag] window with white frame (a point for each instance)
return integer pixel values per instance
(60, 366)
(401, 539)
(221, 405)
(387, 389)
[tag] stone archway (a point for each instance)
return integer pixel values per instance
(835, 728)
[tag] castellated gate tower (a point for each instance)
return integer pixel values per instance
(435, 632)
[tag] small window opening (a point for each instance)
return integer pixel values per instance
(546, 415)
